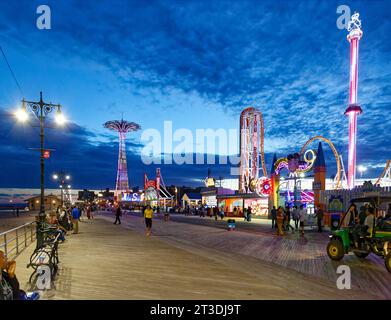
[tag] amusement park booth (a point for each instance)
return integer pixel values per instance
(209, 195)
(337, 202)
(258, 204)
(191, 199)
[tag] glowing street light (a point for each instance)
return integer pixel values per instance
(21, 115)
(62, 177)
(60, 118)
(361, 169)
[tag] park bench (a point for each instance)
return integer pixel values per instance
(47, 255)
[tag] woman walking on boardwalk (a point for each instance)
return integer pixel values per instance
(148, 214)
(280, 220)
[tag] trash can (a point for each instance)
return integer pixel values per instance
(334, 221)
(231, 224)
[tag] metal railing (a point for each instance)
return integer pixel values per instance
(14, 241)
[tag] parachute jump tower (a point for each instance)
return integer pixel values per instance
(122, 127)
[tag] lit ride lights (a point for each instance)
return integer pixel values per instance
(252, 155)
(354, 109)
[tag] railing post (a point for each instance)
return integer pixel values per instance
(17, 242)
(25, 237)
(5, 244)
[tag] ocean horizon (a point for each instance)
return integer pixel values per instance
(9, 196)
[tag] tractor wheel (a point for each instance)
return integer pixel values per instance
(387, 261)
(361, 255)
(335, 250)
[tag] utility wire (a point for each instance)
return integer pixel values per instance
(10, 69)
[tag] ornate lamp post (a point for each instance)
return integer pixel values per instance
(41, 110)
(62, 178)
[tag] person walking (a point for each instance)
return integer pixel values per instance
(288, 220)
(215, 212)
(75, 218)
(249, 214)
(274, 217)
(221, 213)
(302, 219)
(202, 211)
(148, 215)
(245, 214)
(280, 220)
(319, 217)
(118, 213)
(166, 215)
(17, 212)
(295, 216)
(81, 210)
(88, 212)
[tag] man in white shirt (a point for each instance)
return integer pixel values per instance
(302, 218)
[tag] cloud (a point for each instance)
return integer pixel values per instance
(286, 58)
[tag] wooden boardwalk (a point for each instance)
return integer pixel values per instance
(107, 261)
(307, 256)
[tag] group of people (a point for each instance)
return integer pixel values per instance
(281, 219)
(203, 211)
(364, 222)
(68, 218)
(61, 222)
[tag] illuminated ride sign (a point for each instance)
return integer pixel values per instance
(132, 197)
(150, 193)
(293, 163)
(262, 186)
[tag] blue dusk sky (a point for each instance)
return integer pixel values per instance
(197, 64)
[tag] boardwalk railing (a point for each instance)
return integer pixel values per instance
(14, 241)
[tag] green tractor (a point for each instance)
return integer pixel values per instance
(379, 242)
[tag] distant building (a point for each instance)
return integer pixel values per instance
(86, 195)
(51, 203)
(105, 196)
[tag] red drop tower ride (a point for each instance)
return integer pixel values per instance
(354, 109)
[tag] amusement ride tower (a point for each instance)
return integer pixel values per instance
(122, 127)
(252, 155)
(354, 109)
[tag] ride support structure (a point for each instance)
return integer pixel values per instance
(354, 109)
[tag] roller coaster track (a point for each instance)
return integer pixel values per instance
(336, 155)
(386, 172)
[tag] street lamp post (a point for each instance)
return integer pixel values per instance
(41, 111)
(62, 178)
